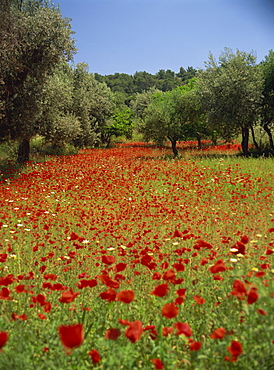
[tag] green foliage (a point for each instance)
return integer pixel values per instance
(41, 39)
(174, 115)
(231, 90)
(120, 124)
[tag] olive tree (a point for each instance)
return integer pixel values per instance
(93, 105)
(41, 39)
(230, 90)
(267, 67)
(173, 115)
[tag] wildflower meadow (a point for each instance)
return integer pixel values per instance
(124, 258)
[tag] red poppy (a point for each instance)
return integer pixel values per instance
(181, 292)
(166, 331)
(244, 239)
(203, 261)
(120, 266)
(170, 310)
(3, 257)
(158, 363)
(71, 336)
(3, 339)
(74, 236)
(20, 317)
(179, 300)
(106, 279)
(240, 248)
(218, 333)
(219, 266)
(125, 296)
(160, 290)
(261, 312)
(218, 277)
(87, 283)
(41, 299)
(183, 328)
(235, 348)
(19, 288)
(112, 334)
(239, 289)
(169, 275)
(108, 260)
(42, 316)
(134, 331)
(5, 294)
(199, 300)
(195, 346)
(68, 296)
(202, 244)
(252, 295)
(95, 356)
(178, 234)
(124, 322)
(47, 307)
(7, 280)
(156, 276)
(109, 295)
(50, 277)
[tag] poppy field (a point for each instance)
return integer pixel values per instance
(126, 259)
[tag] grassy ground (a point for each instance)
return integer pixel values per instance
(159, 263)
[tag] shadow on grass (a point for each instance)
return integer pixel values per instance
(10, 169)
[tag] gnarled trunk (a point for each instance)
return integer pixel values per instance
(269, 133)
(23, 151)
(254, 139)
(173, 145)
(245, 137)
(198, 136)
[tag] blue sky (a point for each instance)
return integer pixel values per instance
(126, 36)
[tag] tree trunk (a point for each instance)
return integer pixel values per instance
(268, 131)
(174, 149)
(199, 140)
(245, 137)
(254, 139)
(23, 151)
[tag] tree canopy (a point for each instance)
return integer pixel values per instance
(230, 90)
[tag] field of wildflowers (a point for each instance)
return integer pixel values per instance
(124, 259)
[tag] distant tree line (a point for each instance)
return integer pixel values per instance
(41, 93)
(164, 80)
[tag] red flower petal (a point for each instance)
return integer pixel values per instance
(95, 356)
(235, 348)
(160, 290)
(134, 331)
(68, 296)
(3, 338)
(183, 328)
(252, 296)
(166, 331)
(218, 333)
(170, 310)
(71, 336)
(112, 334)
(239, 289)
(195, 346)
(199, 300)
(219, 266)
(158, 363)
(125, 296)
(109, 295)
(108, 260)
